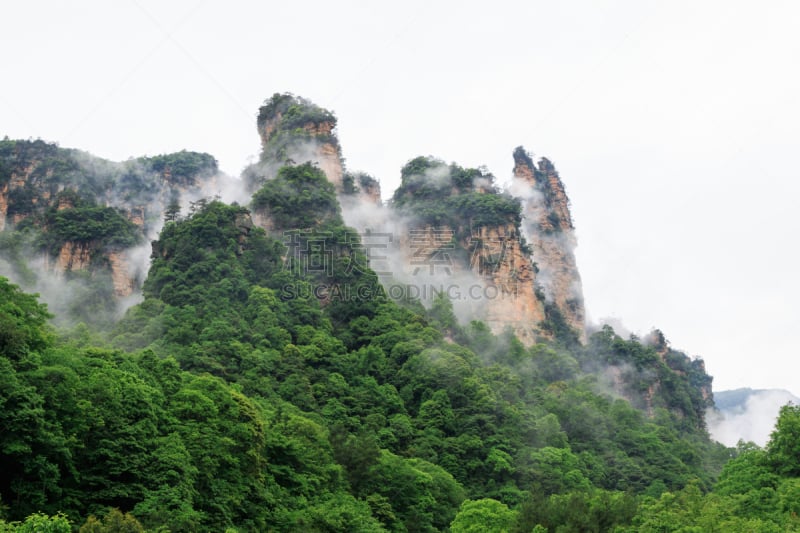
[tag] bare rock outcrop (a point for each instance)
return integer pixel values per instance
(294, 130)
(73, 256)
(3, 206)
(124, 283)
(511, 297)
(550, 232)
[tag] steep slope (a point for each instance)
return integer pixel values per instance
(438, 220)
(294, 130)
(466, 234)
(548, 227)
(68, 214)
(266, 382)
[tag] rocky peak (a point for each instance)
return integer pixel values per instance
(294, 130)
(549, 230)
(556, 197)
(359, 187)
(82, 206)
(490, 261)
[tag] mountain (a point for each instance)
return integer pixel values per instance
(455, 223)
(312, 359)
(84, 223)
(747, 414)
(735, 401)
(548, 224)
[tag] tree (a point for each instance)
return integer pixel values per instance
(113, 522)
(173, 211)
(41, 523)
(22, 322)
(483, 516)
(783, 449)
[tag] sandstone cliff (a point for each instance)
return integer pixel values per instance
(124, 282)
(294, 130)
(484, 271)
(489, 261)
(73, 256)
(77, 256)
(499, 258)
(549, 230)
(3, 206)
(85, 210)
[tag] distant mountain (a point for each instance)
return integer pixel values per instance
(733, 401)
(747, 414)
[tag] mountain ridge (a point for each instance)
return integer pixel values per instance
(269, 378)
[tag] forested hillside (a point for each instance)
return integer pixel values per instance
(243, 394)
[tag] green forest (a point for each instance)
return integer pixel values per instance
(220, 403)
(241, 394)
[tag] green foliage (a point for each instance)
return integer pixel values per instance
(591, 511)
(234, 397)
(295, 112)
(89, 224)
(181, 168)
(486, 515)
(654, 375)
(113, 522)
(300, 197)
(23, 320)
(449, 195)
(783, 451)
(42, 523)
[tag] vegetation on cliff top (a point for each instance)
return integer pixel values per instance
(61, 196)
(225, 401)
(48, 169)
(88, 224)
(266, 382)
(449, 195)
(300, 197)
(293, 111)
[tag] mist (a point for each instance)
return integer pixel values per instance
(108, 280)
(397, 244)
(752, 420)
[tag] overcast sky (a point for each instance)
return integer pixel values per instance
(674, 125)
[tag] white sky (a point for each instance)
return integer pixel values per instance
(674, 125)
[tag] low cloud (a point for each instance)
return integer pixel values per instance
(750, 418)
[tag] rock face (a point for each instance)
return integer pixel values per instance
(124, 283)
(3, 206)
(549, 230)
(43, 183)
(511, 297)
(294, 130)
(329, 158)
(459, 213)
(372, 191)
(485, 272)
(313, 141)
(74, 256)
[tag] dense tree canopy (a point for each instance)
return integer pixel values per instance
(239, 396)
